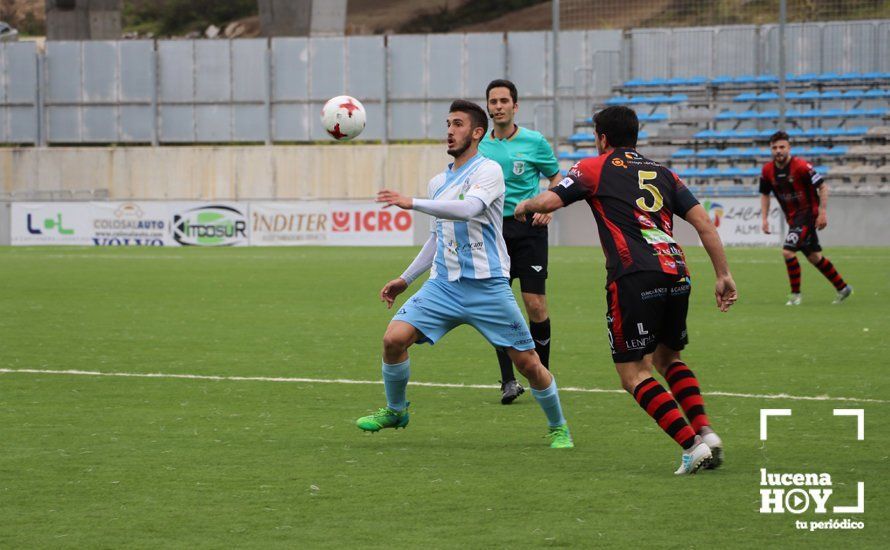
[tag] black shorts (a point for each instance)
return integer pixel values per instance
(645, 309)
(527, 247)
(803, 238)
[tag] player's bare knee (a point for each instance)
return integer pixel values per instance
(788, 254)
(536, 306)
(814, 258)
(663, 358)
(394, 343)
(632, 374)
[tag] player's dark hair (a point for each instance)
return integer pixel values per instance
(779, 136)
(478, 118)
(620, 125)
(502, 83)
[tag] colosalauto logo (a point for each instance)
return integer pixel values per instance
(214, 225)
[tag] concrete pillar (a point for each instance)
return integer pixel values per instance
(302, 17)
(83, 19)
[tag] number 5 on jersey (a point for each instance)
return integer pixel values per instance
(657, 200)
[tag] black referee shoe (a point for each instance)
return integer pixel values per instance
(510, 391)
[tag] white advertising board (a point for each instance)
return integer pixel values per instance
(739, 224)
(144, 223)
(330, 223)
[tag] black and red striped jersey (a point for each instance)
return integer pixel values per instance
(633, 200)
(796, 188)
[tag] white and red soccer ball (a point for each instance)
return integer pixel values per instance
(343, 117)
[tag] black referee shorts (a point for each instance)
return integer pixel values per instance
(527, 247)
(645, 309)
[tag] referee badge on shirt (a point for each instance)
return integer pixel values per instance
(518, 167)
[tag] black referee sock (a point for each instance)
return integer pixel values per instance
(541, 335)
(506, 366)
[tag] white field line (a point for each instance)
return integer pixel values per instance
(423, 384)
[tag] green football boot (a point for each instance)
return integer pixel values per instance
(384, 418)
(560, 438)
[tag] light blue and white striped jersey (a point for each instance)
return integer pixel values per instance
(473, 249)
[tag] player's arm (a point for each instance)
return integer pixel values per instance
(724, 289)
(418, 267)
(544, 219)
(765, 190)
(554, 180)
(571, 188)
(544, 203)
(546, 163)
(461, 210)
(822, 189)
(822, 217)
(688, 208)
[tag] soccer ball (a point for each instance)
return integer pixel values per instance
(343, 117)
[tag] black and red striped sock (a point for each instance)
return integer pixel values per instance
(793, 267)
(684, 387)
(827, 269)
(659, 404)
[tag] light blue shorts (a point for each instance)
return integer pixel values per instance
(487, 305)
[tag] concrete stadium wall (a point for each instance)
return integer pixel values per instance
(219, 173)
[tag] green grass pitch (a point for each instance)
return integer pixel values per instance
(89, 461)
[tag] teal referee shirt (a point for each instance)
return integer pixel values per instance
(524, 157)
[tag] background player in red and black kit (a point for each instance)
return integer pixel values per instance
(803, 197)
(633, 200)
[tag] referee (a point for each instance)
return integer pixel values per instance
(523, 154)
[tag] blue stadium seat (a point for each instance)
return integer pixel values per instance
(744, 134)
(688, 172)
(683, 153)
(618, 100)
(647, 100)
(654, 117)
(731, 172)
(708, 153)
(729, 152)
(827, 77)
(876, 93)
(747, 96)
(875, 76)
(804, 77)
(582, 136)
(853, 94)
(577, 155)
(720, 80)
(809, 94)
(745, 79)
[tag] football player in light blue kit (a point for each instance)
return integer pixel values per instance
(468, 284)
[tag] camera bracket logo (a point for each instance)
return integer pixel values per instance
(799, 492)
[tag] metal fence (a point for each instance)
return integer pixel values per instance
(271, 91)
(624, 14)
